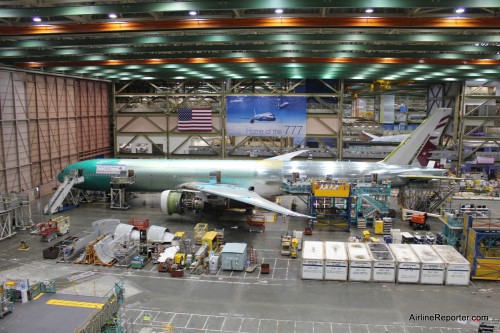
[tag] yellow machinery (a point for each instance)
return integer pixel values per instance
(379, 227)
(329, 188)
(63, 224)
(366, 235)
(180, 259)
(210, 240)
(50, 230)
(294, 248)
(24, 246)
(180, 235)
(200, 230)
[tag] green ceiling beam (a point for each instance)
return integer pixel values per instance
(234, 4)
(480, 51)
(267, 54)
(275, 37)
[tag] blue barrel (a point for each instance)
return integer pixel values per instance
(388, 239)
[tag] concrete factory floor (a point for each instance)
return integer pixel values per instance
(242, 301)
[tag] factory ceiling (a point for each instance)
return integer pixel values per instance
(418, 40)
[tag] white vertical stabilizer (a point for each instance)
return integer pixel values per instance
(418, 147)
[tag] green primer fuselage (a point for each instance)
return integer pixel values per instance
(264, 176)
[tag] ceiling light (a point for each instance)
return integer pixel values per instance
(37, 19)
(459, 10)
(193, 13)
(112, 15)
(278, 11)
(369, 10)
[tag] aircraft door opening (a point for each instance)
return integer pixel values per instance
(215, 177)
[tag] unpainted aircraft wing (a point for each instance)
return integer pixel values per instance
(243, 195)
(288, 156)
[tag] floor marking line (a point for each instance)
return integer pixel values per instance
(187, 323)
(88, 305)
(205, 324)
(38, 296)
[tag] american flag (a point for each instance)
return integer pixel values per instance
(195, 120)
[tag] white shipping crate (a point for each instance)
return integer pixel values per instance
(432, 266)
(360, 262)
(457, 267)
(384, 265)
(313, 260)
(335, 261)
(407, 263)
(396, 236)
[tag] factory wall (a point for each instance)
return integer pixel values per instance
(140, 134)
(46, 123)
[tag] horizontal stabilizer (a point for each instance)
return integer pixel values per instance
(371, 136)
(288, 156)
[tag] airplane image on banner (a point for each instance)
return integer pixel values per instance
(188, 185)
(265, 116)
(284, 105)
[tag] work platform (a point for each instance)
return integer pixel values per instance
(118, 188)
(331, 205)
(59, 313)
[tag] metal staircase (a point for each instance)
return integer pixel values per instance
(56, 201)
(376, 205)
(425, 198)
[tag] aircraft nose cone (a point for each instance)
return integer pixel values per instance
(60, 176)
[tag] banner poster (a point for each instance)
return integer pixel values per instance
(278, 116)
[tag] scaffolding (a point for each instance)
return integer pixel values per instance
(454, 227)
(15, 213)
(483, 253)
(330, 205)
(118, 193)
(425, 197)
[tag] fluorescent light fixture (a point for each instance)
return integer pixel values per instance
(37, 19)
(369, 10)
(459, 10)
(112, 15)
(278, 11)
(193, 12)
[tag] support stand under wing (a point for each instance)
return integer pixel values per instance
(118, 192)
(62, 192)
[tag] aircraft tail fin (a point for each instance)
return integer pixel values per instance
(417, 148)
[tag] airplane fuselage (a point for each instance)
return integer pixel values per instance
(265, 177)
(267, 116)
